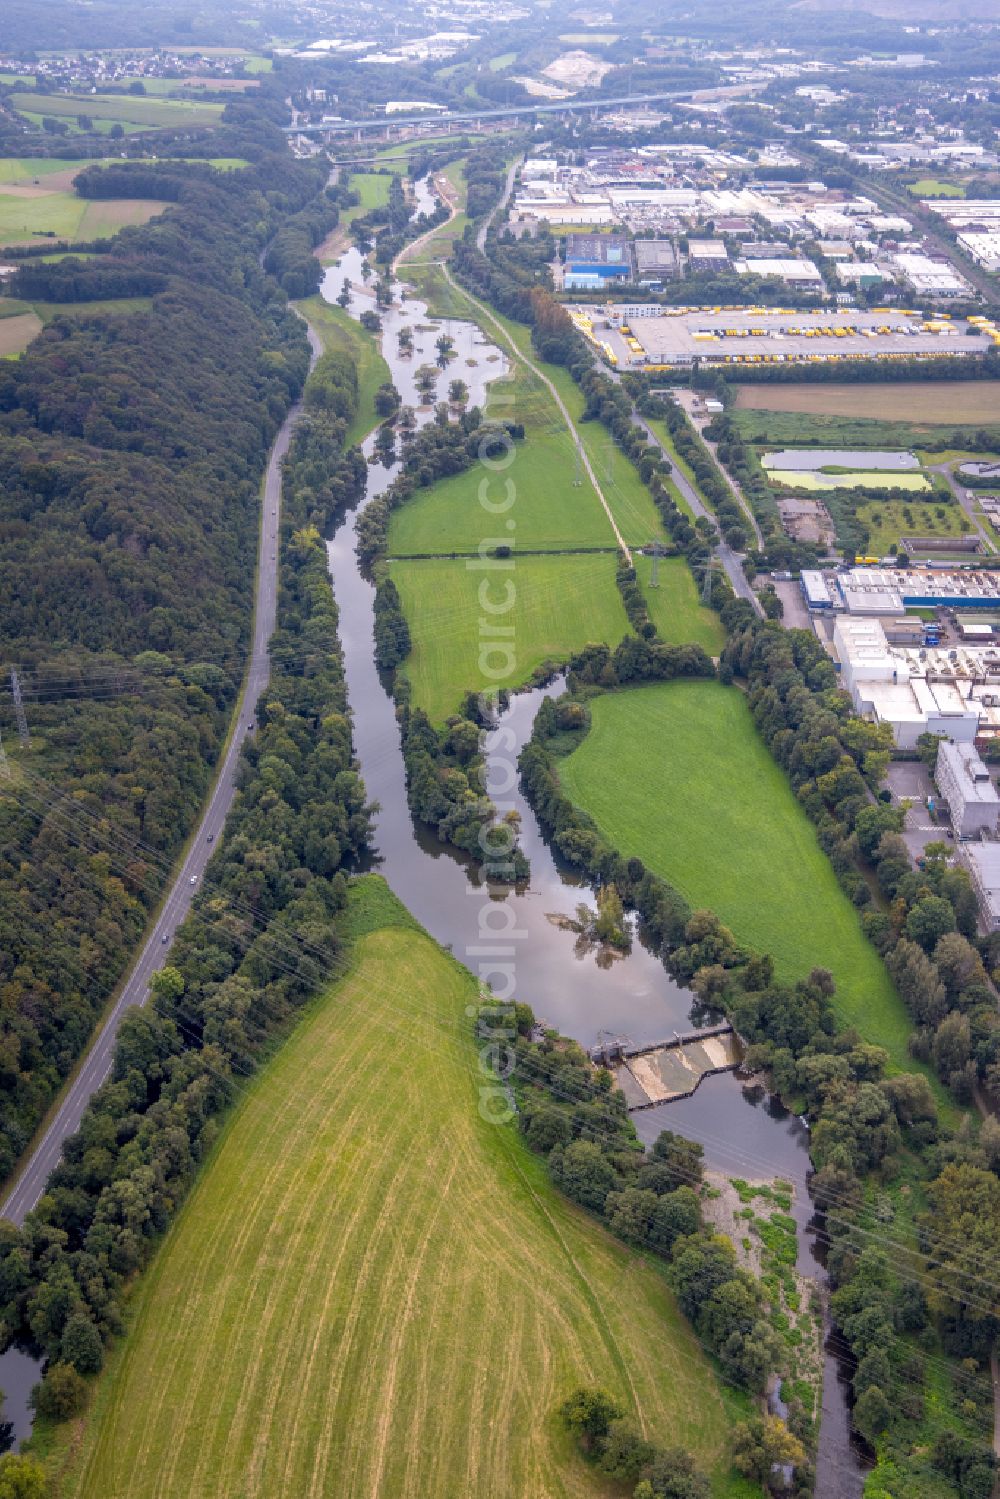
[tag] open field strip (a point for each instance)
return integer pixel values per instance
(64, 216)
(677, 775)
(550, 511)
(339, 332)
(629, 501)
(126, 108)
(675, 605)
(937, 402)
(562, 603)
(17, 332)
(24, 169)
(290, 1337)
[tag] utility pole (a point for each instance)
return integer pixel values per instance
(22, 722)
(706, 590)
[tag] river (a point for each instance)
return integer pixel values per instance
(742, 1130)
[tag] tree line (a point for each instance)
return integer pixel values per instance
(261, 938)
(131, 452)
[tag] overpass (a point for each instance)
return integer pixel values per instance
(463, 117)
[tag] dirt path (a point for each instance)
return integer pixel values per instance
(523, 359)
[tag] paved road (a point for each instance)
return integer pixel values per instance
(510, 111)
(731, 561)
(498, 207)
(97, 1064)
(966, 500)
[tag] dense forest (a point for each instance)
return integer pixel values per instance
(260, 939)
(131, 451)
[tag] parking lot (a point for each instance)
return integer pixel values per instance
(911, 780)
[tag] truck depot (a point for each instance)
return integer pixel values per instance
(650, 336)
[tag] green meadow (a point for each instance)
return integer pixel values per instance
(372, 1290)
(677, 775)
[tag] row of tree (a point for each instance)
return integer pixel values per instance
(260, 940)
(131, 453)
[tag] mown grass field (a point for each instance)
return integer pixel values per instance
(338, 331)
(933, 187)
(931, 402)
(628, 499)
(549, 510)
(561, 603)
(677, 775)
(675, 605)
(25, 219)
(131, 109)
(372, 1291)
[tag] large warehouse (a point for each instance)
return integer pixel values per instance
(671, 336)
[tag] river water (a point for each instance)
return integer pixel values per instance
(569, 987)
(742, 1130)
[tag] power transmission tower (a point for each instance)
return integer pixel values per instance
(706, 588)
(22, 722)
(658, 552)
(4, 764)
(578, 466)
(609, 462)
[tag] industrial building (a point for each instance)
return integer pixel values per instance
(890, 590)
(801, 273)
(984, 248)
(965, 784)
(655, 261)
(983, 863)
(605, 256)
(915, 692)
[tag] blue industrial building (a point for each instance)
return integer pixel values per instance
(604, 256)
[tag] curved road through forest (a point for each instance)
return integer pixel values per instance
(45, 1153)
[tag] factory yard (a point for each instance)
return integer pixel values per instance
(640, 335)
(931, 401)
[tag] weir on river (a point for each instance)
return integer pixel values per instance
(743, 1131)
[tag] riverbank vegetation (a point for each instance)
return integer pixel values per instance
(311, 1342)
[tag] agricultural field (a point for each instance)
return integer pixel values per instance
(550, 511)
(17, 332)
(677, 775)
(25, 168)
(28, 212)
(628, 499)
(371, 1290)
(675, 605)
(504, 60)
(910, 403)
(147, 114)
(561, 603)
(337, 331)
(887, 521)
